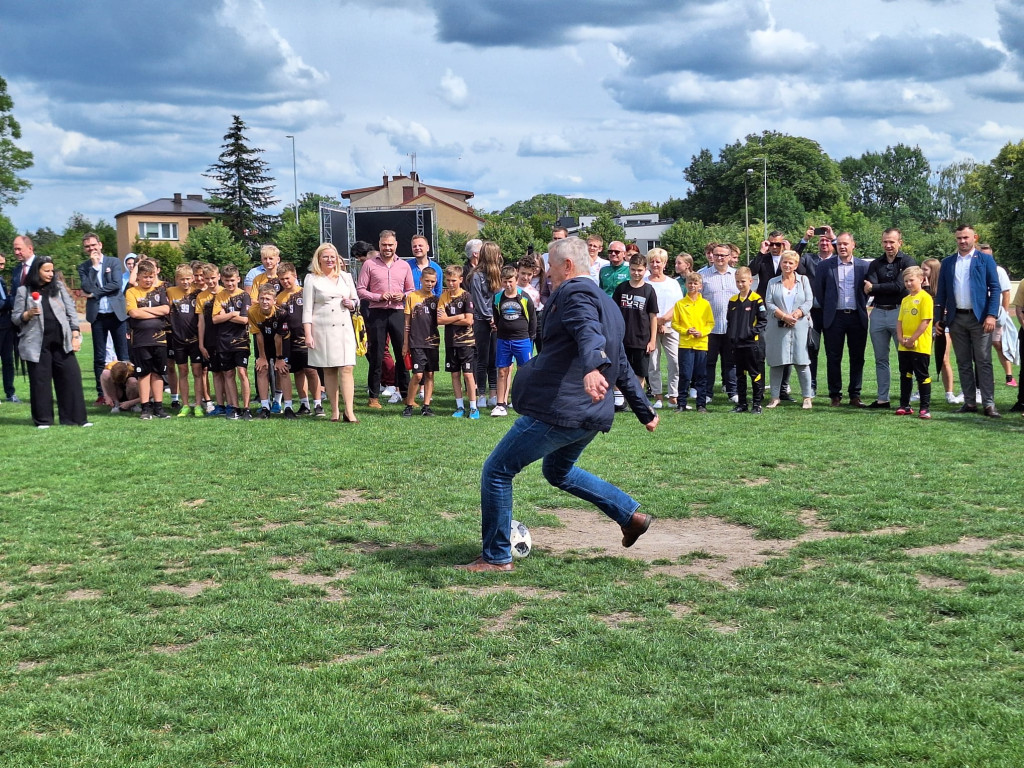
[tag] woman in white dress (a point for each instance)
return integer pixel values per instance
(328, 300)
(788, 300)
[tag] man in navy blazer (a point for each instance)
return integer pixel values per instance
(839, 288)
(967, 302)
(104, 307)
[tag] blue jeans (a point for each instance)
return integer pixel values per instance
(560, 447)
(692, 374)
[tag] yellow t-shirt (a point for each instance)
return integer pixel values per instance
(693, 313)
(913, 309)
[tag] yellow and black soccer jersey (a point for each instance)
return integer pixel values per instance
(913, 309)
(147, 331)
(268, 326)
(204, 307)
(457, 335)
(291, 303)
(263, 279)
(232, 336)
(184, 320)
(421, 317)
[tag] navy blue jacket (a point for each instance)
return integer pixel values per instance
(985, 293)
(6, 305)
(583, 331)
(826, 289)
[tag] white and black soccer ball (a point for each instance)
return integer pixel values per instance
(521, 540)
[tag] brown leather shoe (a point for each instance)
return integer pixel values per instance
(374, 403)
(482, 566)
(966, 409)
(856, 402)
(992, 413)
(635, 528)
(836, 401)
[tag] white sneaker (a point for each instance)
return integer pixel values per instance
(707, 399)
(388, 391)
(87, 424)
(734, 398)
(115, 409)
(499, 410)
(977, 396)
(43, 426)
(395, 398)
(916, 397)
(657, 405)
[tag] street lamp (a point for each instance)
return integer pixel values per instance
(295, 177)
(746, 210)
(751, 170)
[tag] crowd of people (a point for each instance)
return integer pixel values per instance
(203, 324)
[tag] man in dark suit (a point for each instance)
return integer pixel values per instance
(6, 335)
(839, 288)
(967, 302)
(104, 306)
(25, 252)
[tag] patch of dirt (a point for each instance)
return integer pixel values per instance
(616, 620)
(48, 568)
(83, 594)
(753, 482)
(497, 589)
(296, 560)
(927, 581)
(173, 569)
(679, 610)
(993, 571)
(76, 676)
(192, 589)
(5, 606)
(723, 629)
(16, 628)
(172, 648)
(716, 549)
(346, 658)
(334, 594)
(223, 551)
(346, 497)
(965, 546)
(194, 502)
(274, 526)
(502, 621)
(448, 515)
(376, 523)
(26, 666)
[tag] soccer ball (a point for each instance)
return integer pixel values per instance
(520, 539)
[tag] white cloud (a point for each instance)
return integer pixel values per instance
(549, 145)
(453, 90)
(619, 56)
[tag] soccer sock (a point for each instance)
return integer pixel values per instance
(287, 403)
(265, 404)
(317, 402)
(458, 403)
(278, 396)
(175, 398)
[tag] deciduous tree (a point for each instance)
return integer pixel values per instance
(13, 159)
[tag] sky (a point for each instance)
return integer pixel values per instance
(126, 101)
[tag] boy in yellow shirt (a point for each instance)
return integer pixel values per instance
(693, 320)
(422, 341)
(914, 333)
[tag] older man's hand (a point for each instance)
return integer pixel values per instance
(595, 385)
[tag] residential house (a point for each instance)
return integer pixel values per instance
(168, 219)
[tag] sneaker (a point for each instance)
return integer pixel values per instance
(925, 414)
(304, 410)
(318, 410)
(951, 399)
(160, 413)
(219, 410)
(186, 411)
(87, 424)
(481, 402)
(735, 398)
(915, 397)
(977, 396)
(904, 411)
(275, 407)
(707, 399)
(264, 413)
(395, 398)
(175, 405)
(702, 409)
(99, 401)
(407, 412)
(167, 390)
(786, 396)
(459, 413)
(232, 414)
(740, 409)
(1017, 407)
(146, 416)
(16, 399)
(47, 426)
(117, 409)
(658, 405)
(246, 414)
(426, 410)
(756, 409)
(388, 391)
(1011, 382)
(289, 414)
(499, 410)
(474, 413)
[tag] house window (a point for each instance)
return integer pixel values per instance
(158, 230)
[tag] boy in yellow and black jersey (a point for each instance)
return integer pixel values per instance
(183, 350)
(422, 341)
(231, 318)
(214, 406)
(746, 318)
(268, 323)
(270, 256)
(147, 308)
(307, 380)
(455, 313)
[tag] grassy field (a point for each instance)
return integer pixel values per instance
(196, 592)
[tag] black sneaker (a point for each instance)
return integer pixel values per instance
(145, 415)
(739, 409)
(232, 414)
(784, 395)
(318, 410)
(246, 414)
(160, 413)
(175, 405)
(701, 409)
(426, 410)
(304, 410)
(1017, 408)
(264, 413)
(408, 411)
(290, 414)
(756, 409)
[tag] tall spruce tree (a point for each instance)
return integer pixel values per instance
(12, 157)
(244, 189)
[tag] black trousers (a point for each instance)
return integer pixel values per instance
(718, 346)
(381, 323)
(749, 361)
(846, 330)
(107, 322)
(486, 370)
(7, 357)
(915, 364)
(56, 369)
(815, 348)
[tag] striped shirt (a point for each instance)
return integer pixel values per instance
(718, 288)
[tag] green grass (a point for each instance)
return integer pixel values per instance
(831, 655)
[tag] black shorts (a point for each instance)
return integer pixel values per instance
(225, 361)
(184, 353)
(298, 360)
(639, 360)
(459, 359)
(149, 360)
(424, 360)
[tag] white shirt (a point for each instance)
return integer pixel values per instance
(847, 299)
(962, 281)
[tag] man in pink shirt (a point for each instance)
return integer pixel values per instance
(383, 282)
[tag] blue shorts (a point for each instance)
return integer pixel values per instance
(520, 349)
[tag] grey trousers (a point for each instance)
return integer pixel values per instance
(883, 339)
(973, 347)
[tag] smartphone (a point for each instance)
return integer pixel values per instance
(820, 230)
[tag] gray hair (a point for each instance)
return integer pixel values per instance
(570, 249)
(473, 245)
